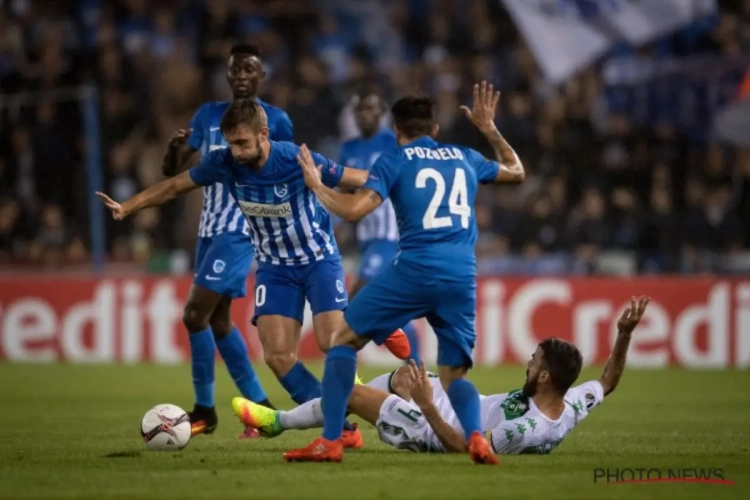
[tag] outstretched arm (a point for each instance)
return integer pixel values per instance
(421, 393)
(158, 194)
(625, 326)
(350, 207)
(482, 115)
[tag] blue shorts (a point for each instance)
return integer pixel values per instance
(401, 293)
(282, 290)
(375, 257)
(223, 262)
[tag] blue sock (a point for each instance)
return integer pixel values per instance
(233, 350)
(411, 331)
(203, 357)
(301, 385)
(464, 398)
(338, 383)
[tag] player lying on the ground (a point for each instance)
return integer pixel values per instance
(412, 411)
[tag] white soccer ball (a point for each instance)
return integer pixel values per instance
(166, 428)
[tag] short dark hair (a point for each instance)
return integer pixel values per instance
(243, 112)
(414, 116)
(245, 49)
(563, 361)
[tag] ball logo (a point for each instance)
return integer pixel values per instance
(219, 266)
(339, 286)
(281, 190)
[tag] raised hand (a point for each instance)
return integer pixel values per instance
(632, 314)
(310, 171)
(179, 137)
(118, 213)
(483, 107)
(421, 388)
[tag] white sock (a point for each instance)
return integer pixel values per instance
(306, 416)
(381, 382)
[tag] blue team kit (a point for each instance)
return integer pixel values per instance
(292, 233)
(432, 187)
(377, 233)
(224, 252)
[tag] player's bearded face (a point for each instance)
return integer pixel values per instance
(247, 146)
(532, 382)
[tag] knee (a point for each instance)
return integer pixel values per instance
(280, 362)
(221, 327)
(346, 337)
(401, 384)
(194, 319)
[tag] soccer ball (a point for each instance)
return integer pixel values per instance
(166, 428)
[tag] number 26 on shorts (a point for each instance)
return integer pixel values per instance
(457, 199)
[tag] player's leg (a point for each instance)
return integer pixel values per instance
(375, 258)
(378, 309)
(234, 352)
(364, 402)
(196, 317)
(279, 309)
(452, 319)
(324, 288)
(236, 253)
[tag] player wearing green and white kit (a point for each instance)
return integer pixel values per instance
(411, 410)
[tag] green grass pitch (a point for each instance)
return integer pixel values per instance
(73, 432)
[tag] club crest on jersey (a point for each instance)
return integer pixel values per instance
(339, 286)
(515, 405)
(219, 266)
(281, 190)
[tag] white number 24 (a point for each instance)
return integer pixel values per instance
(457, 199)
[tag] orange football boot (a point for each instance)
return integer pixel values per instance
(480, 450)
(352, 439)
(320, 450)
(398, 344)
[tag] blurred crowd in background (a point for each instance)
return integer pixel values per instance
(623, 176)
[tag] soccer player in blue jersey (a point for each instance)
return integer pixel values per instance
(297, 254)
(377, 233)
(224, 252)
(432, 187)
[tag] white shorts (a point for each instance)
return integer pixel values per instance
(401, 425)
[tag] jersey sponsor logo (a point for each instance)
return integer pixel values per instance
(219, 266)
(282, 210)
(212, 278)
(434, 154)
(281, 190)
(214, 147)
(214, 129)
(341, 299)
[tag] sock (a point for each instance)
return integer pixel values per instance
(233, 350)
(464, 398)
(301, 385)
(411, 332)
(203, 357)
(305, 416)
(338, 383)
(381, 383)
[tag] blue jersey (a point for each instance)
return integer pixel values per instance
(287, 223)
(362, 153)
(220, 212)
(432, 187)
